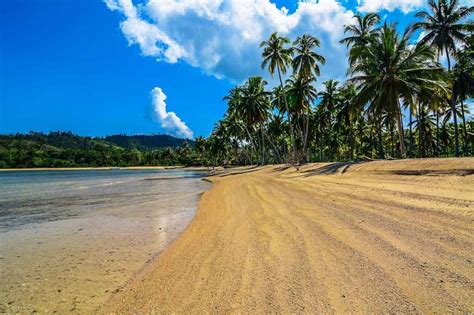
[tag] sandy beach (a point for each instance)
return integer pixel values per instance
(375, 237)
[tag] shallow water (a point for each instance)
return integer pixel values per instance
(70, 239)
(38, 196)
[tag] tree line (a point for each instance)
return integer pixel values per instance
(65, 149)
(390, 76)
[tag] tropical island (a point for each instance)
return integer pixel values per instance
(352, 196)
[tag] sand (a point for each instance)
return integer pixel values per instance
(382, 237)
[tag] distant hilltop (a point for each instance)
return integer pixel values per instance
(67, 139)
(65, 149)
(147, 142)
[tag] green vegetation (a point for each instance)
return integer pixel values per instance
(64, 149)
(390, 76)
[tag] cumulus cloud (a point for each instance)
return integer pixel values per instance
(168, 120)
(390, 5)
(221, 37)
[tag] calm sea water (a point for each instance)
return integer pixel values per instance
(28, 197)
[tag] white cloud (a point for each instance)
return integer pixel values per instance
(168, 120)
(390, 5)
(222, 36)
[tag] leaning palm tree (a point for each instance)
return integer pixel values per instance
(389, 69)
(305, 63)
(276, 56)
(444, 26)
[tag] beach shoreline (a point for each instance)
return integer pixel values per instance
(273, 239)
(190, 168)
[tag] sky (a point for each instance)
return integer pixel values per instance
(98, 67)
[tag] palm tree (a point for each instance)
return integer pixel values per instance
(445, 137)
(234, 114)
(424, 124)
(276, 56)
(303, 94)
(411, 109)
(362, 32)
(305, 62)
(254, 107)
(329, 95)
(347, 115)
(444, 28)
(328, 100)
(463, 84)
(278, 103)
(389, 69)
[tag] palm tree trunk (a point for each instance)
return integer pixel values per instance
(437, 133)
(305, 142)
(453, 108)
(247, 154)
(351, 144)
(259, 149)
(421, 139)
(437, 117)
(455, 118)
(401, 132)
(410, 154)
(300, 130)
(292, 132)
(275, 149)
(392, 139)
(447, 56)
(464, 128)
(251, 141)
(379, 142)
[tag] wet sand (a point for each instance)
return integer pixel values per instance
(376, 237)
(75, 263)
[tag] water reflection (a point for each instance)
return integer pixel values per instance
(39, 196)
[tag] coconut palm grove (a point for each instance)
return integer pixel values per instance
(398, 101)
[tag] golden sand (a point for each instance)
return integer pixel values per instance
(383, 236)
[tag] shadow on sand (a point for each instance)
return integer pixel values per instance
(333, 168)
(232, 173)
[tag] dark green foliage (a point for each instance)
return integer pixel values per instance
(65, 149)
(146, 142)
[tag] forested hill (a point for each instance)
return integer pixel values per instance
(65, 149)
(146, 142)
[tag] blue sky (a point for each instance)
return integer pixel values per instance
(98, 68)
